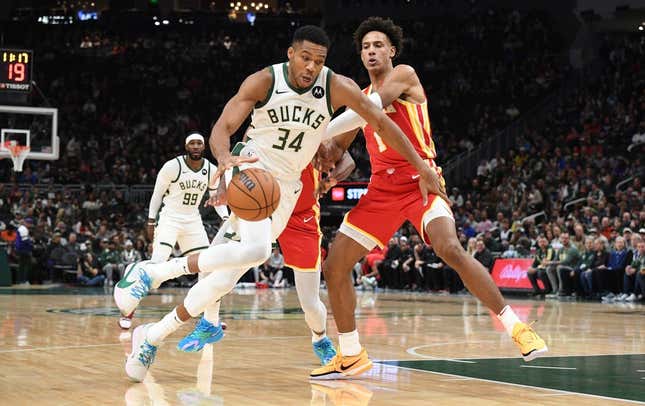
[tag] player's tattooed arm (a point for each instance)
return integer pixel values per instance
(402, 82)
(254, 89)
(346, 92)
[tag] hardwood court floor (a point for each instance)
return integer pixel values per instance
(63, 346)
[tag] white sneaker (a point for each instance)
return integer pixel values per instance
(142, 355)
(621, 297)
(630, 298)
(133, 287)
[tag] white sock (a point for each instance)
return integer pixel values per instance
(349, 344)
(163, 328)
(508, 318)
(211, 313)
(167, 270)
(317, 337)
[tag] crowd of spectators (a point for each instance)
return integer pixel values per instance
(82, 237)
(123, 96)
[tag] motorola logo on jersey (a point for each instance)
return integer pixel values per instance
(204, 171)
(318, 92)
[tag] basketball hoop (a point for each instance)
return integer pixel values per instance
(18, 154)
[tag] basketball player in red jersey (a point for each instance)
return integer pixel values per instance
(394, 197)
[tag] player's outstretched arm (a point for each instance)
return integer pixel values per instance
(254, 89)
(402, 81)
(345, 92)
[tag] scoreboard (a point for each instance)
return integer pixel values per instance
(15, 70)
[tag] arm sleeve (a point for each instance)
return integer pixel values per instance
(349, 120)
(168, 174)
(213, 183)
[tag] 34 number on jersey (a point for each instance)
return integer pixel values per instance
(295, 143)
(190, 199)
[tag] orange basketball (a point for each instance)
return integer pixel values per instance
(253, 194)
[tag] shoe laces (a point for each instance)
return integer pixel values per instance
(205, 327)
(147, 353)
(323, 344)
(526, 328)
(139, 290)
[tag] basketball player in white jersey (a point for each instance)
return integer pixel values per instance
(174, 206)
(292, 104)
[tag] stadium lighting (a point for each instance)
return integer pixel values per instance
(166, 22)
(640, 28)
(157, 23)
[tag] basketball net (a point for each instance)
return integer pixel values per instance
(18, 154)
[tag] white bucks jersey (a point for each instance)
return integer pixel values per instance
(185, 192)
(287, 127)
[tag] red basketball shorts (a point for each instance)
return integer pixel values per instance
(300, 241)
(391, 199)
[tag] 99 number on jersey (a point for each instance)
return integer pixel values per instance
(190, 199)
(295, 143)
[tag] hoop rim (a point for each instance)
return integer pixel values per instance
(17, 153)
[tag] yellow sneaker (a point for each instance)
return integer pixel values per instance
(531, 345)
(343, 367)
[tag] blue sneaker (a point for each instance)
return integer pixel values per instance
(142, 356)
(133, 287)
(204, 333)
(324, 350)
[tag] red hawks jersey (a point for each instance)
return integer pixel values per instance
(414, 121)
(306, 201)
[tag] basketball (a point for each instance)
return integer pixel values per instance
(253, 194)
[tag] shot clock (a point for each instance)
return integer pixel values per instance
(15, 70)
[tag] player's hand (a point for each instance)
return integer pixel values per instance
(324, 185)
(219, 197)
(430, 182)
(232, 161)
(326, 157)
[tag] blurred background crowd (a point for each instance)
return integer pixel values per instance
(568, 193)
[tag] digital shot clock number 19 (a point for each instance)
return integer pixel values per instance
(15, 70)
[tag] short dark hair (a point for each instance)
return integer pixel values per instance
(393, 32)
(311, 33)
